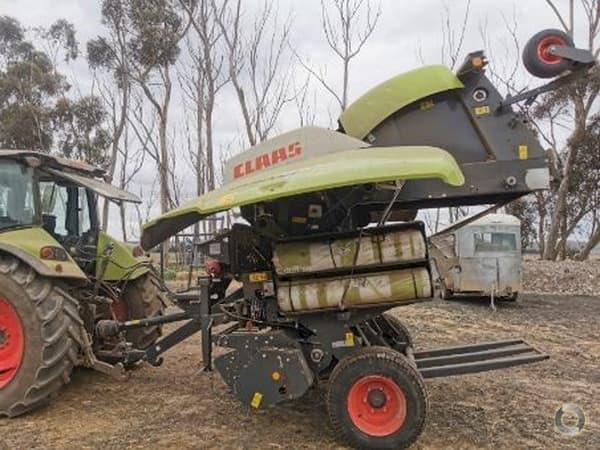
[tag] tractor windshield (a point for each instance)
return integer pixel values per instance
(17, 202)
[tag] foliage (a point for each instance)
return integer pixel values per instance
(35, 109)
(79, 135)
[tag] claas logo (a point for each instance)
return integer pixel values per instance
(266, 160)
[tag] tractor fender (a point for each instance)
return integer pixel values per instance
(37, 265)
(120, 261)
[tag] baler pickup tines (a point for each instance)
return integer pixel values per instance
(467, 359)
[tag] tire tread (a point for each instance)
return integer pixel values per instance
(57, 326)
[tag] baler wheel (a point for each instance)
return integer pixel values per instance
(39, 334)
(392, 330)
(537, 58)
(377, 399)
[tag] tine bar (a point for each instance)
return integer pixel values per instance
(473, 356)
(446, 351)
(481, 366)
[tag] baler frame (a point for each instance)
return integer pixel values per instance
(201, 317)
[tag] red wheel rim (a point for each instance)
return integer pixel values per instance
(119, 310)
(377, 405)
(543, 49)
(12, 343)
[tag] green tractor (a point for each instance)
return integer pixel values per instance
(59, 275)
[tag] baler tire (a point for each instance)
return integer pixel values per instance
(538, 61)
(403, 387)
(143, 299)
(400, 330)
(50, 330)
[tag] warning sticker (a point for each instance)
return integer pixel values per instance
(256, 399)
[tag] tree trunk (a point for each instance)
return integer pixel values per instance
(116, 139)
(123, 221)
(345, 87)
(592, 242)
(163, 168)
(551, 248)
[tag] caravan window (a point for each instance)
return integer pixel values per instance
(495, 242)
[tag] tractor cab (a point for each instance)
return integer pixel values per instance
(60, 196)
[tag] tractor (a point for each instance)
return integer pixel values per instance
(59, 275)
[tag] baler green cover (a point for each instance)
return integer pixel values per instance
(344, 168)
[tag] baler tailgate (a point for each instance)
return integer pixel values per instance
(467, 359)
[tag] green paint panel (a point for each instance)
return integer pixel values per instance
(120, 261)
(31, 240)
(362, 116)
(344, 168)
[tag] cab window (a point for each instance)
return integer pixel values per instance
(17, 203)
(65, 209)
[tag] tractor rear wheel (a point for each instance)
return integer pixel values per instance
(377, 399)
(39, 334)
(142, 298)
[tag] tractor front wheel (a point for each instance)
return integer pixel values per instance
(377, 399)
(39, 329)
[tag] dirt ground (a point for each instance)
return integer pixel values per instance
(176, 406)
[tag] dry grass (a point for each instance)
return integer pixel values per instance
(175, 406)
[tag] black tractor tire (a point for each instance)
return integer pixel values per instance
(143, 299)
(50, 329)
(392, 330)
(401, 390)
(538, 61)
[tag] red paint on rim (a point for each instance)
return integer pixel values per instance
(543, 49)
(377, 405)
(12, 343)
(119, 310)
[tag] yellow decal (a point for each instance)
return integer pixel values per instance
(349, 340)
(258, 277)
(523, 152)
(427, 104)
(256, 399)
(482, 110)
(276, 376)
(300, 220)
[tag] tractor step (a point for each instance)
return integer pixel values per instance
(449, 361)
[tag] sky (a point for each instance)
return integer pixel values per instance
(408, 34)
